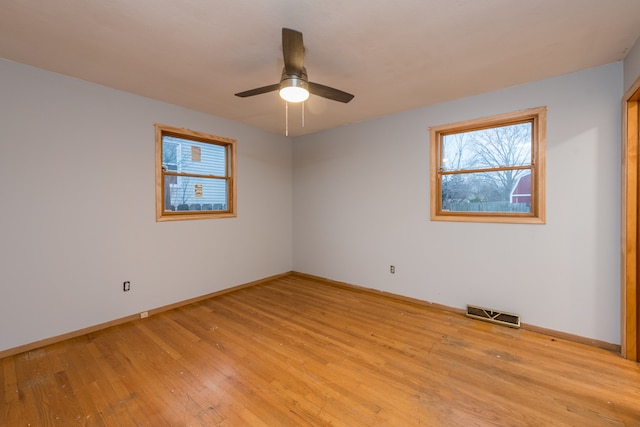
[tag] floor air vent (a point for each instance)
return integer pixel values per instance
(498, 317)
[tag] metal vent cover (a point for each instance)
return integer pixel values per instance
(494, 316)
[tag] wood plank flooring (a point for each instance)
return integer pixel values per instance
(300, 352)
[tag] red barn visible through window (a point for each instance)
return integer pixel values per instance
(521, 192)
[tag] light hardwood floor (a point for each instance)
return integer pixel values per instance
(297, 351)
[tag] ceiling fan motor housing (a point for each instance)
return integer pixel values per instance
(299, 81)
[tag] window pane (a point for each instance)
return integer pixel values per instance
(189, 156)
(502, 146)
(500, 191)
(195, 194)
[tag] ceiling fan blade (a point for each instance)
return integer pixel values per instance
(258, 91)
(292, 51)
(329, 92)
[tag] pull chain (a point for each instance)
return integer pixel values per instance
(286, 118)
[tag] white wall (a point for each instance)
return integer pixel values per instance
(77, 217)
(361, 203)
(632, 66)
(78, 208)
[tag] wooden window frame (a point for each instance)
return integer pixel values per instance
(538, 170)
(230, 146)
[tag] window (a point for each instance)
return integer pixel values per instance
(490, 169)
(195, 175)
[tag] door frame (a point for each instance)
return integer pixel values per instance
(630, 293)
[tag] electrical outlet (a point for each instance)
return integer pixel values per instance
(144, 314)
(126, 286)
(392, 269)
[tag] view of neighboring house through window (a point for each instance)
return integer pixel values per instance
(490, 169)
(194, 175)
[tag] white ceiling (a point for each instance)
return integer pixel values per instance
(393, 55)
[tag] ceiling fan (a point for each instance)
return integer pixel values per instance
(294, 85)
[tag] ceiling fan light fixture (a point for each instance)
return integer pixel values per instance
(293, 89)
